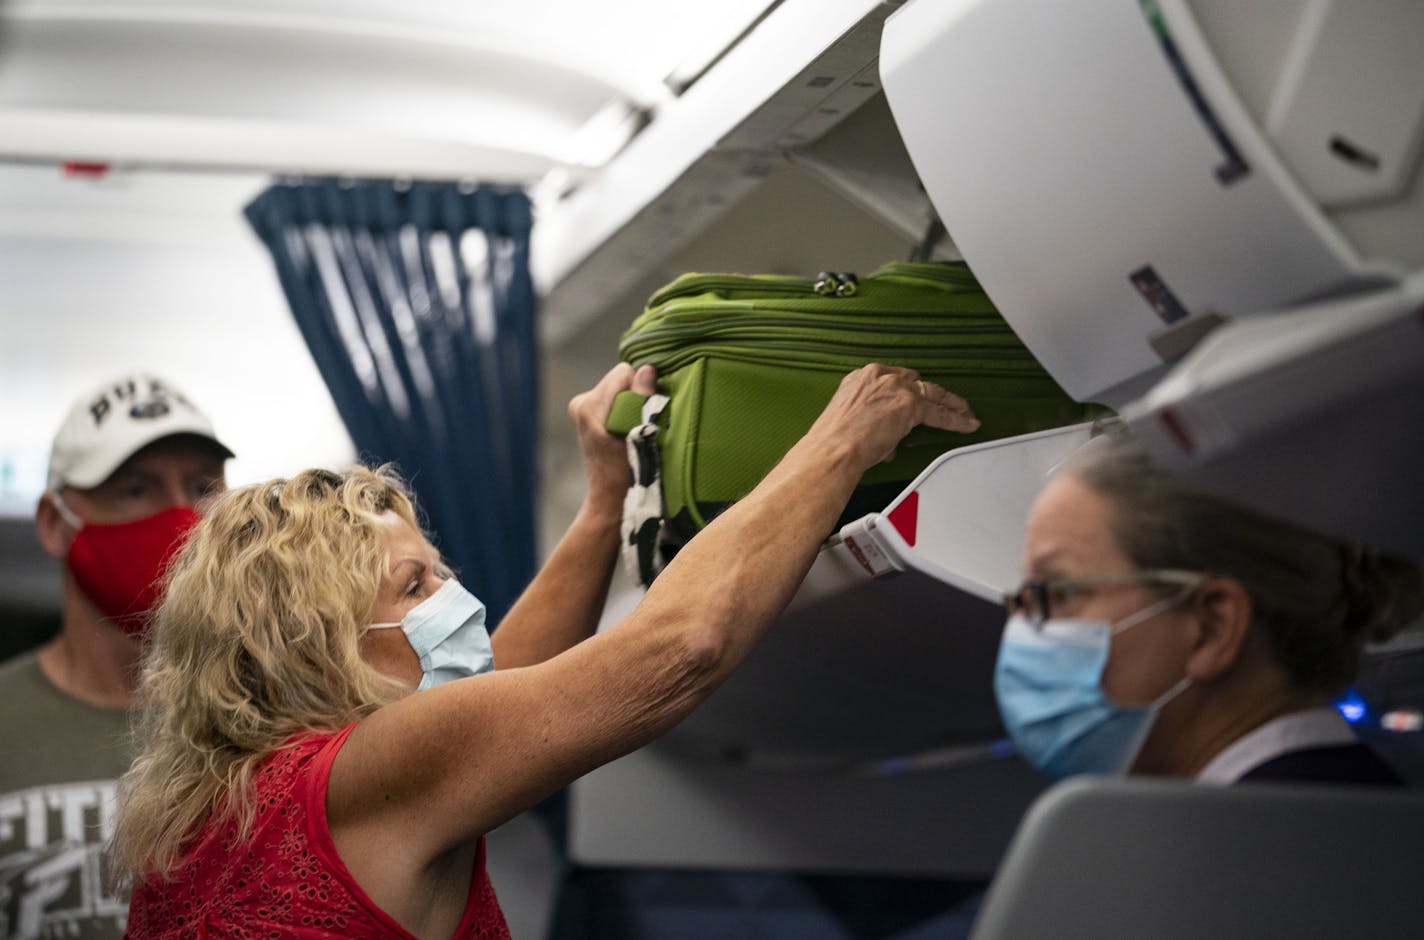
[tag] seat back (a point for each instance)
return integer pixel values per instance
(1133, 858)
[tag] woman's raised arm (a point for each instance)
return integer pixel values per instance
(438, 769)
(562, 605)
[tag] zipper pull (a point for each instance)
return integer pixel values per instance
(836, 284)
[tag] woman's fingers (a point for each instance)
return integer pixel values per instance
(604, 455)
(645, 380)
(944, 409)
(877, 405)
(621, 377)
(615, 380)
(594, 405)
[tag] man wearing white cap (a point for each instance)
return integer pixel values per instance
(129, 469)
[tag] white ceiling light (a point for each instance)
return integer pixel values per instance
(715, 38)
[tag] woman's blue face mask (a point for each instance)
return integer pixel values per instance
(447, 632)
(1048, 683)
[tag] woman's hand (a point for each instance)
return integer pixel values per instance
(605, 458)
(876, 406)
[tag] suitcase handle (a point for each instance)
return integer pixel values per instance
(626, 414)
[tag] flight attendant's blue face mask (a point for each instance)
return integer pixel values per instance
(1048, 683)
(447, 632)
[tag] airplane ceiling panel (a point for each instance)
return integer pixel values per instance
(495, 92)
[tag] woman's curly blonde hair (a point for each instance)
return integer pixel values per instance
(256, 640)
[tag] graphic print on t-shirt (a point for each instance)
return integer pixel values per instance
(53, 882)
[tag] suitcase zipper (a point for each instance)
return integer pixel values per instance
(1014, 360)
(897, 352)
(825, 284)
(684, 340)
(944, 273)
(736, 323)
(690, 285)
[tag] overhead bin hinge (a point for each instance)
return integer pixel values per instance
(1173, 342)
(865, 546)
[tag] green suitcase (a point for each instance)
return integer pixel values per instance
(747, 363)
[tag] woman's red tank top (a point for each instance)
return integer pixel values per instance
(286, 881)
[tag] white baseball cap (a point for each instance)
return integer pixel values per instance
(117, 420)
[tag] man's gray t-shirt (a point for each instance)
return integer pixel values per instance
(60, 760)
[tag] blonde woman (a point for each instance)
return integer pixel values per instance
(289, 783)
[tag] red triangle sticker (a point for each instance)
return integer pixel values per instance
(906, 517)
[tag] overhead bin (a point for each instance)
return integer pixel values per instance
(1116, 173)
(861, 734)
(1135, 181)
(1313, 415)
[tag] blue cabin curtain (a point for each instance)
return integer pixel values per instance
(417, 305)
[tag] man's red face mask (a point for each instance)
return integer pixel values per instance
(121, 567)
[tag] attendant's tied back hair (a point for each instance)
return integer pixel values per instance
(1318, 599)
(256, 640)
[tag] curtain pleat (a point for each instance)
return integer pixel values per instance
(417, 305)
